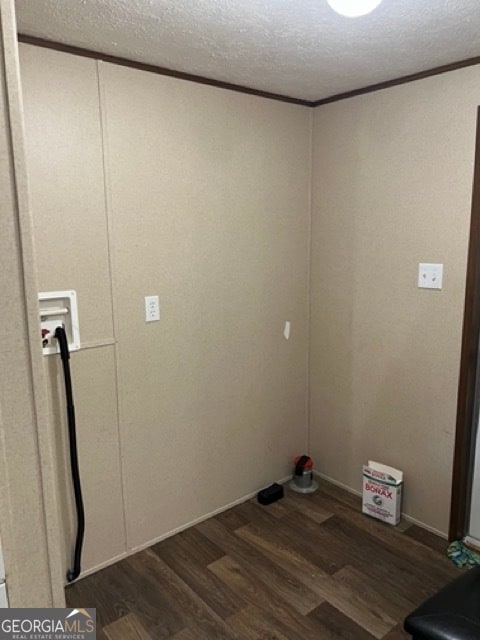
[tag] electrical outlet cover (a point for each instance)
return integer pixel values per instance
(430, 276)
(152, 309)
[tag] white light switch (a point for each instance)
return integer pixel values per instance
(152, 309)
(430, 276)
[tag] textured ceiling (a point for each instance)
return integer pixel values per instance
(298, 48)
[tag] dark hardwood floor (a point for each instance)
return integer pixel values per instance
(310, 567)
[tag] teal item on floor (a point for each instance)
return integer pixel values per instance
(462, 556)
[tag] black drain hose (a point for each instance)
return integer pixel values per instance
(61, 336)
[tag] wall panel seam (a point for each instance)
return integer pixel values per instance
(111, 262)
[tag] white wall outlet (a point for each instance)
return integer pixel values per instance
(430, 276)
(152, 309)
(286, 330)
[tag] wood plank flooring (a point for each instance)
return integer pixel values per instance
(310, 567)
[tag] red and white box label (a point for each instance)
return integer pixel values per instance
(382, 492)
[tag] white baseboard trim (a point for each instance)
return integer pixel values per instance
(169, 534)
(337, 483)
(472, 543)
(423, 525)
(405, 516)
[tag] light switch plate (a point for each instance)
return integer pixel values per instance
(430, 276)
(152, 309)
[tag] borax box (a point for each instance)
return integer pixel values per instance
(382, 492)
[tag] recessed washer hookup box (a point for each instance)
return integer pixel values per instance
(382, 492)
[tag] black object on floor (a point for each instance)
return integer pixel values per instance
(271, 494)
(452, 614)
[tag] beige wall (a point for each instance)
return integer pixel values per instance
(207, 206)
(29, 524)
(144, 185)
(391, 188)
(208, 195)
(65, 162)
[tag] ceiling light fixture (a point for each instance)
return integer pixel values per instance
(353, 8)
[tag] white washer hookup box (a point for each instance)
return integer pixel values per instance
(382, 492)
